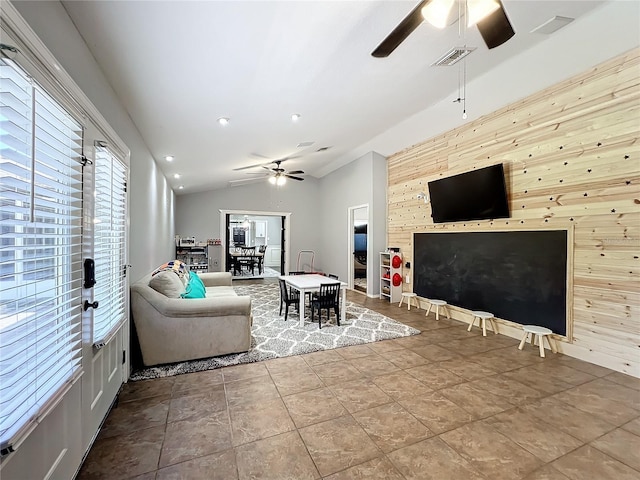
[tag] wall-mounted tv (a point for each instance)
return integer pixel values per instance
(476, 195)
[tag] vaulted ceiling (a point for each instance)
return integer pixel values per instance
(178, 66)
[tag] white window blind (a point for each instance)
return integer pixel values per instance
(40, 252)
(110, 242)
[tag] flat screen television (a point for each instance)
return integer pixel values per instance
(476, 195)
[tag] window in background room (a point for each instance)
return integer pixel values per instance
(109, 244)
(40, 252)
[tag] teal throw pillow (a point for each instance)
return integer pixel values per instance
(195, 278)
(195, 287)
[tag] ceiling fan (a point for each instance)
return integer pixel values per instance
(277, 175)
(280, 174)
(489, 16)
(278, 161)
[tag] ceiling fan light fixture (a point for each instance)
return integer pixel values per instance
(478, 10)
(437, 12)
(272, 180)
(281, 181)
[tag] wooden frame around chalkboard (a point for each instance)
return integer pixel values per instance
(568, 337)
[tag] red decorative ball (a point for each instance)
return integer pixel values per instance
(396, 261)
(397, 280)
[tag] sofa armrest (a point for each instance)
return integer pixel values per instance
(216, 279)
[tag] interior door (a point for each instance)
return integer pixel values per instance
(83, 380)
(104, 361)
(359, 243)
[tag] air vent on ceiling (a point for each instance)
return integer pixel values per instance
(322, 149)
(305, 144)
(552, 25)
(453, 56)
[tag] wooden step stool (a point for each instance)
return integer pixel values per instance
(439, 304)
(538, 333)
(409, 296)
(482, 320)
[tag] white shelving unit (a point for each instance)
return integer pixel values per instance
(388, 290)
(195, 256)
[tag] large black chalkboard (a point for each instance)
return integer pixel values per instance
(520, 276)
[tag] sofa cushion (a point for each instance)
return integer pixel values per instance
(167, 283)
(221, 291)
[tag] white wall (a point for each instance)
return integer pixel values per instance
(151, 200)
(319, 208)
(361, 182)
(198, 214)
(377, 218)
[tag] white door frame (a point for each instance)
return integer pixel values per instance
(350, 245)
(287, 235)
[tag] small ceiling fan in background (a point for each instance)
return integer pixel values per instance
(277, 176)
(488, 15)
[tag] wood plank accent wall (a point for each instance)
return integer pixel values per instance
(572, 160)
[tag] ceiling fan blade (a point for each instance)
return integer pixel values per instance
(251, 166)
(296, 172)
(402, 31)
(496, 28)
(293, 178)
(259, 155)
(245, 181)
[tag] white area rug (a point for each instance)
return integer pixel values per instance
(272, 337)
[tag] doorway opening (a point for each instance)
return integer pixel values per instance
(359, 247)
(254, 243)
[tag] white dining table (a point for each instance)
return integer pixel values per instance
(311, 283)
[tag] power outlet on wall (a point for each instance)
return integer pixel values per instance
(407, 278)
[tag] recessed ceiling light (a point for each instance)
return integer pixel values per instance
(295, 117)
(223, 121)
(169, 158)
(176, 175)
(181, 187)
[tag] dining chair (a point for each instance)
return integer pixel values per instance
(248, 258)
(261, 250)
(328, 297)
(288, 296)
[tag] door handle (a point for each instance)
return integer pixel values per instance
(88, 305)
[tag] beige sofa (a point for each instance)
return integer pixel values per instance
(173, 329)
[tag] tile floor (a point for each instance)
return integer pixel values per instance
(445, 405)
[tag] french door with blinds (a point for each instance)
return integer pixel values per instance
(61, 353)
